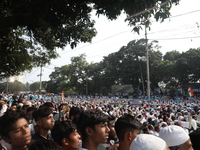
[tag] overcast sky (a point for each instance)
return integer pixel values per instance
(181, 32)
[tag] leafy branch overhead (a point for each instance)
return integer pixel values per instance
(31, 30)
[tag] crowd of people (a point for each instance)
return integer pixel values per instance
(98, 123)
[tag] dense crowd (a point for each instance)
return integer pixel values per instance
(77, 122)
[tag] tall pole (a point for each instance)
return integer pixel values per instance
(86, 85)
(147, 56)
(40, 88)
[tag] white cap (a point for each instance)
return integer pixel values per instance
(27, 103)
(148, 142)
(173, 135)
(163, 123)
(19, 104)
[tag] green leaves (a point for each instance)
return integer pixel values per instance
(31, 30)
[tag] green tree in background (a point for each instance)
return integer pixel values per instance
(127, 66)
(12, 87)
(35, 86)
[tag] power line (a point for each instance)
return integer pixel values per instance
(185, 13)
(98, 41)
(30, 74)
(177, 28)
(179, 38)
(49, 68)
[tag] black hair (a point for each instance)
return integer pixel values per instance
(30, 109)
(156, 127)
(44, 145)
(195, 138)
(62, 129)
(47, 104)
(75, 111)
(126, 123)
(42, 112)
(8, 120)
(145, 130)
(90, 118)
(111, 118)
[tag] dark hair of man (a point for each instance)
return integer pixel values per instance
(44, 145)
(42, 112)
(62, 129)
(176, 147)
(111, 118)
(47, 104)
(21, 99)
(126, 123)
(195, 138)
(90, 118)
(156, 127)
(75, 111)
(8, 120)
(29, 109)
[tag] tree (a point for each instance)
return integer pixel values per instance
(128, 65)
(35, 86)
(59, 80)
(172, 56)
(71, 77)
(32, 30)
(12, 87)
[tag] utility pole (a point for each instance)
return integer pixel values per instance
(86, 85)
(146, 45)
(147, 57)
(40, 87)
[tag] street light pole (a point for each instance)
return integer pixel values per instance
(147, 57)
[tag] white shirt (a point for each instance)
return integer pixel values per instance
(3, 109)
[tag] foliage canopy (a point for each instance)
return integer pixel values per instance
(31, 30)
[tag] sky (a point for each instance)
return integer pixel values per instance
(180, 32)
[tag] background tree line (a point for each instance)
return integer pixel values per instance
(127, 66)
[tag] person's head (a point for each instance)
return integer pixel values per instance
(163, 124)
(14, 129)
(195, 139)
(44, 118)
(145, 130)
(148, 142)
(111, 126)
(173, 118)
(92, 124)
(151, 127)
(21, 100)
(26, 105)
(44, 145)
(13, 106)
(30, 110)
(157, 128)
(66, 135)
(127, 126)
(176, 138)
(29, 113)
(74, 112)
(48, 104)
